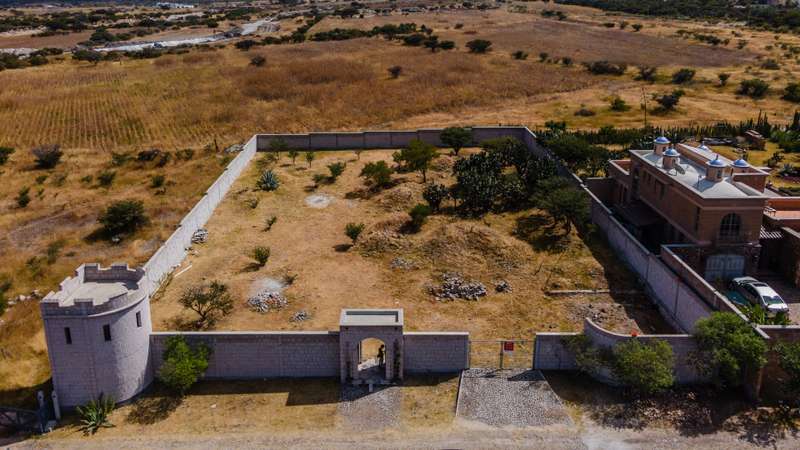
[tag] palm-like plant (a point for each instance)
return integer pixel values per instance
(94, 415)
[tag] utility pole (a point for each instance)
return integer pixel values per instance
(644, 104)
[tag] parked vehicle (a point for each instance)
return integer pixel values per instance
(759, 293)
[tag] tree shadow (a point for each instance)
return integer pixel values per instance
(152, 409)
(181, 323)
(251, 267)
(764, 427)
(342, 248)
(540, 232)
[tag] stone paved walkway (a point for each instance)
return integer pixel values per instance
(518, 398)
(360, 409)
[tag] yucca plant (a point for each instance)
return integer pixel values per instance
(94, 415)
(268, 181)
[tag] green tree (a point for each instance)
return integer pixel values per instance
(419, 214)
(646, 368)
(310, 156)
(23, 197)
(434, 194)
(730, 347)
(723, 78)
(571, 149)
(208, 301)
(278, 145)
(564, 203)
(754, 87)
(456, 138)
(416, 157)
(122, 217)
(336, 169)
(789, 360)
(682, 76)
(619, 105)
(479, 46)
(378, 173)
(47, 156)
(792, 92)
(183, 365)
(293, 154)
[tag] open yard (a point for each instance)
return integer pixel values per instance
(390, 267)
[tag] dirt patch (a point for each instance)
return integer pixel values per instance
(318, 201)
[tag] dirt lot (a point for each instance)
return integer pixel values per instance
(309, 243)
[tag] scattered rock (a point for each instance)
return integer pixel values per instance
(235, 148)
(455, 286)
(502, 286)
(267, 300)
(300, 316)
(200, 236)
(404, 264)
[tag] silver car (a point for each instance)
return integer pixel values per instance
(759, 293)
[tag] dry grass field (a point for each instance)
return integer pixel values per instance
(195, 99)
(309, 243)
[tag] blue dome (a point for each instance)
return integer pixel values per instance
(671, 152)
(741, 163)
(661, 140)
(716, 162)
(704, 147)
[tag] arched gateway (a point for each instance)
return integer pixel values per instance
(359, 326)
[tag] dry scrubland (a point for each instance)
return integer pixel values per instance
(190, 100)
(310, 243)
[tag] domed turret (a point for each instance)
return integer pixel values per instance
(670, 159)
(740, 165)
(715, 169)
(660, 144)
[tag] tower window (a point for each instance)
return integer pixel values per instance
(139, 319)
(68, 335)
(107, 332)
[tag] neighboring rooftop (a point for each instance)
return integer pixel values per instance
(693, 175)
(371, 317)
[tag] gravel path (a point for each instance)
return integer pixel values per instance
(519, 398)
(360, 409)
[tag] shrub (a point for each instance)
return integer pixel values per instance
(519, 54)
(261, 255)
(770, 64)
(647, 73)
(395, 71)
(358, 153)
(310, 156)
(792, 92)
(682, 76)
(185, 154)
(106, 178)
(270, 222)
(754, 87)
(668, 102)
(378, 173)
(479, 46)
(278, 145)
(609, 24)
(419, 214)
(268, 181)
(789, 361)
(646, 368)
(417, 157)
(148, 155)
(5, 154)
(606, 68)
(729, 346)
(434, 194)
(208, 301)
(47, 156)
(258, 61)
(543, 56)
(182, 365)
(336, 169)
(566, 61)
(637, 27)
(619, 105)
(156, 181)
(723, 78)
(564, 203)
(94, 415)
(293, 154)
(123, 216)
(23, 197)
(353, 231)
(456, 138)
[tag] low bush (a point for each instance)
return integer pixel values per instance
(47, 156)
(723, 78)
(754, 87)
(5, 154)
(647, 73)
(395, 71)
(683, 76)
(268, 181)
(23, 197)
(106, 178)
(646, 368)
(606, 68)
(435, 194)
(377, 173)
(157, 181)
(123, 217)
(479, 46)
(792, 92)
(270, 222)
(619, 105)
(419, 214)
(353, 231)
(336, 170)
(183, 365)
(519, 54)
(261, 255)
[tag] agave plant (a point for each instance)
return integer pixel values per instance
(94, 415)
(268, 181)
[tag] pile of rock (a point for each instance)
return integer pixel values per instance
(454, 286)
(502, 286)
(300, 316)
(404, 264)
(235, 148)
(266, 301)
(200, 236)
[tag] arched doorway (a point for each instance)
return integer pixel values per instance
(371, 360)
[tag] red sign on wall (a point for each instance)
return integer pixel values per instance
(508, 346)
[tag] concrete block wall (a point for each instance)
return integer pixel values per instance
(257, 355)
(435, 352)
(551, 353)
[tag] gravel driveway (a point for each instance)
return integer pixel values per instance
(360, 409)
(519, 398)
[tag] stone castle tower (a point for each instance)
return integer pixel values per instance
(97, 328)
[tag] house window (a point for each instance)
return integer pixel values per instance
(139, 319)
(660, 189)
(696, 218)
(730, 226)
(107, 332)
(68, 335)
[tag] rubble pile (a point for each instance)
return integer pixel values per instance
(267, 300)
(200, 236)
(454, 286)
(235, 148)
(401, 263)
(300, 316)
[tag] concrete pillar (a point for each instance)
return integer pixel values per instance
(56, 405)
